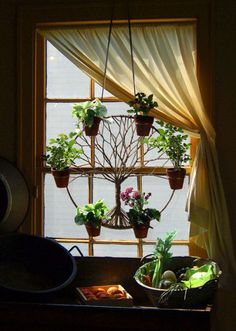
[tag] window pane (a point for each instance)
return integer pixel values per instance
(116, 108)
(98, 92)
(115, 250)
(60, 211)
(64, 79)
(59, 119)
(174, 217)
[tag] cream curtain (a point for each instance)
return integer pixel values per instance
(165, 65)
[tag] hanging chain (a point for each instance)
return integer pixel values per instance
(107, 51)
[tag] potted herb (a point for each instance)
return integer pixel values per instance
(141, 106)
(139, 217)
(91, 216)
(173, 142)
(90, 114)
(60, 155)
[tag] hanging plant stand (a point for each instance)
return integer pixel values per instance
(143, 124)
(176, 178)
(93, 130)
(117, 219)
(61, 177)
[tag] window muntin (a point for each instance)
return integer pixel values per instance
(58, 120)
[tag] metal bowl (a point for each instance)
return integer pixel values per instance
(182, 298)
(32, 266)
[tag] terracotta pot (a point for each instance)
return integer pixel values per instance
(61, 177)
(141, 230)
(143, 124)
(93, 131)
(176, 177)
(92, 231)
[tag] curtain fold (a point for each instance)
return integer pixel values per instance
(164, 65)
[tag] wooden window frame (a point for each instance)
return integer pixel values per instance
(30, 18)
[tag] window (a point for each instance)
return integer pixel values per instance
(66, 85)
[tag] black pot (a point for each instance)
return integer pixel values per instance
(34, 267)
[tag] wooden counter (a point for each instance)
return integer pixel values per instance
(64, 312)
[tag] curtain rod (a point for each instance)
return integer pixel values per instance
(105, 22)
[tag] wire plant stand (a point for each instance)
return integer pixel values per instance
(116, 154)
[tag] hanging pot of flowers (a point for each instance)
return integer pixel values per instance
(173, 142)
(90, 114)
(139, 217)
(60, 155)
(141, 106)
(91, 216)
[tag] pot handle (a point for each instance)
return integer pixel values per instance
(77, 248)
(142, 260)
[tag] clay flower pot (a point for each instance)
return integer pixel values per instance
(92, 231)
(141, 230)
(61, 177)
(93, 130)
(176, 178)
(143, 124)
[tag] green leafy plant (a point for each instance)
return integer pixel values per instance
(62, 152)
(137, 213)
(161, 255)
(92, 213)
(171, 141)
(86, 111)
(142, 104)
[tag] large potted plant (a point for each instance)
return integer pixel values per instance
(173, 142)
(60, 155)
(141, 106)
(90, 114)
(139, 216)
(91, 215)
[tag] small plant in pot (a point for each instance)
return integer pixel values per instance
(141, 106)
(139, 216)
(173, 142)
(91, 215)
(90, 114)
(60, 155)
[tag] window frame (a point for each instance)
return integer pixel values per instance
(29, 90)
(140, 171)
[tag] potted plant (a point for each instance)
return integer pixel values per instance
(139, 217)
(90, 114)
(141, 106)
(173, 142)
(91, 216)
(60, 155)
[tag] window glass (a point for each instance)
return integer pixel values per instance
(98, 92)
(59, 209)
(64, 80)
(174, 216)
(115, 250)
